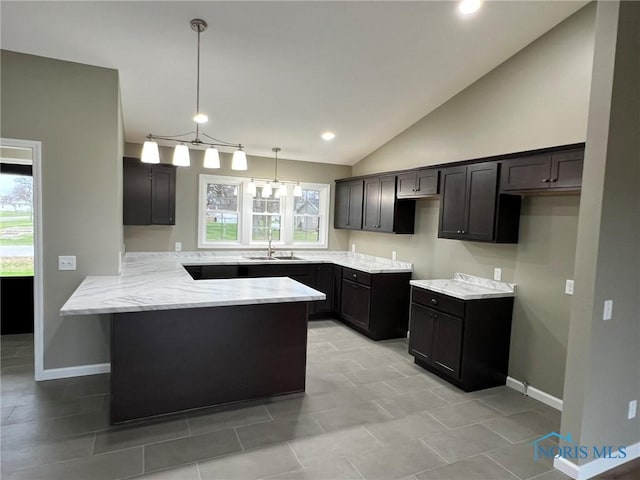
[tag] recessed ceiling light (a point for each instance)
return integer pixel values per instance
(469, 6)
(328, 136)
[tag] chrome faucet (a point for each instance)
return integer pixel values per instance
(270, 249)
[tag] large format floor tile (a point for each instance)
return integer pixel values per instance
(368, 413)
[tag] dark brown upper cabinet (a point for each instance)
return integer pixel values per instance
(382, 211)
(348, 204)
(149, 193)
(543, 172)
(418, 183)
(471, 208)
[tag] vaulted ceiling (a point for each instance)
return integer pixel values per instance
(281, 73)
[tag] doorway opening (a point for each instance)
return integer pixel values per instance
(21, 244)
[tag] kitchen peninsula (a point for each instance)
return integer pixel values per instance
(179, 343)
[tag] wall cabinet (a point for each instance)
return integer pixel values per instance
(418, 183)
(543, 172)
(471, 208)
(149, 193)
(375, 304)
(382, 211)
(465, 342)
(348, 204)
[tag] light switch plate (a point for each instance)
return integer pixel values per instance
(393, 255)
(633, 409)
(67, 262)
(178, 246)
(608, 310)
(497, 274)
(568, 287)
(353, 247)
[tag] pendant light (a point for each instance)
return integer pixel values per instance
(266, 190)
(297, 190)
(251, 188)
(211, 158)
(150, 153)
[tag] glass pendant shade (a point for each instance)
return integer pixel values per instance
(150, 153)
(266, 191)
(181, 156)
(239, 160)
(211, 158)
(297, 191)
(251, 188)
(282, 191)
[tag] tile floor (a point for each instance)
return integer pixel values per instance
(368, 413)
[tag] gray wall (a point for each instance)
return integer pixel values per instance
(73, 110)
(538, 98)
(604, 356)
(163, 238)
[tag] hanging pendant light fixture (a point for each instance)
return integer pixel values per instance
(297, 190)
(150, 153)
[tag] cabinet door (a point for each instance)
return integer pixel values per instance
(324, 283)
(371, 210)
(566, 169)
(136, 186)
(421, 336)
(387, 204)
(528, 173)
(163, 194)
(427, 182)
(355, 303)
(452, 198)
(481, 198)
(336, 295)
(447, 344)
(348, 205)
(407, 185)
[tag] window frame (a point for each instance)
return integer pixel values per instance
(245, 212)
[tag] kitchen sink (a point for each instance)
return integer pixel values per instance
(275, 257)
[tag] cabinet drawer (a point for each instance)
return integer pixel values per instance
(439, 301)
(356, 276)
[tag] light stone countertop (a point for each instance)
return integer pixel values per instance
(158, 281)
(468, 287)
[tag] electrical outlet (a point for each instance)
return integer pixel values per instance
(393, 255)
(178, 246)
(608, 310)
(633, 409)
(67, 262)
(568, 287)
(353, 248)
(497, 274)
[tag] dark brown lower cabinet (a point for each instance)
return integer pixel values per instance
(375, 304)
(464, 342)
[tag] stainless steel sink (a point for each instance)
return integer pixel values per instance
(262, 258)
(288, 257)
(275, 257)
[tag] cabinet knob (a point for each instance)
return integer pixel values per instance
(554, 180)
(459, 232)
(434, 301)
(355, 276)
(413, 189)
(417, 189)
(545, 180)
(463, 232)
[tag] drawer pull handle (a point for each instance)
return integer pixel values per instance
(545, 180)
(355, 276)
(459, 232)
(434, 301)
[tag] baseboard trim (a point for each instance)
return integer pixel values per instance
(69, 372)
(535, 393)
(596, 467)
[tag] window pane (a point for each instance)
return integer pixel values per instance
(16, 225)
(222, 197)
(308, 203)
(261, 225)
(306, 228)
(222, 226)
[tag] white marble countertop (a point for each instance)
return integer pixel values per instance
(468, 287)
(158, 281)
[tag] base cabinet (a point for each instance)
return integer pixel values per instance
(464, 342)
(375, 304)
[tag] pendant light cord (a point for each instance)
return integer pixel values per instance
(198, 86)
